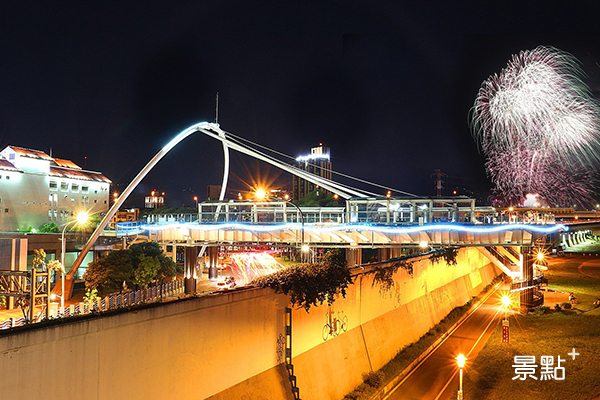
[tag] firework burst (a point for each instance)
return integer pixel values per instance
(538, 126)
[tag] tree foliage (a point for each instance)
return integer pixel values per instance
(311, 284)
(50, 227)
(384, 273)
(318, 198)
(39, 258)
(449, 255)
(139, 266)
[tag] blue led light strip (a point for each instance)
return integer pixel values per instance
(360, 227)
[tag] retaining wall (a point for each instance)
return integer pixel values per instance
(231, 345)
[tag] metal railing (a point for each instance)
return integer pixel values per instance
(106, 303)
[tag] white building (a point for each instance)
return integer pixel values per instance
(36, 189)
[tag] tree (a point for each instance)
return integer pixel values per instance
(138, 266)
(39, 258)
(50, 227)
(146, 271)
(167, 268)
(318, 198)
(108, 273)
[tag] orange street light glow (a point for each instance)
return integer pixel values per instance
(260, 194)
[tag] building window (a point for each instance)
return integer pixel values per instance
(7, 177)
(84, 189)
(53, 185)
(6, 210)
(11, 156)
(64, 186)
(74, 187)
(95, 201)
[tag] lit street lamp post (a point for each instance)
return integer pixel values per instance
(82, 218)
(303, 247)
(461, 364)
(261, 194)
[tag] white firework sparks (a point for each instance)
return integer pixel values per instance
(537, 124)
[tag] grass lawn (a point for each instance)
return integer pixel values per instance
(490, 376)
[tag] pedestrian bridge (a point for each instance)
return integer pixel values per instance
(375, 222)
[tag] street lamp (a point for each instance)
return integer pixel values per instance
(260, 194)
(81, 218)
(461, 364)
(505, 324)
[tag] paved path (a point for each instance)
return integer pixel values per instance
(592, 268)
(436, 377)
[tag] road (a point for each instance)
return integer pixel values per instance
(436, 377)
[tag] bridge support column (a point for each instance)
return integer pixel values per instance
(384, 254)
(189, 270)
(395, 252)
(354, 256)
(527, 276)
(213, 260)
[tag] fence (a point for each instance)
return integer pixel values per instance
(109, 302)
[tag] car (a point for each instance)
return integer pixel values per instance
(226, 282)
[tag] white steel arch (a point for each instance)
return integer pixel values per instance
(213, 130)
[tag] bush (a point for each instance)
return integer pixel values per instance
(374, 378)
(541, 310)
(353, 395)
(566, 306)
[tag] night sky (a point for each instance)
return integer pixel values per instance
(387, 86)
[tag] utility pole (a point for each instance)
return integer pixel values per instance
(438, 174)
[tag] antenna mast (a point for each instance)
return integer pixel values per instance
(217, 110)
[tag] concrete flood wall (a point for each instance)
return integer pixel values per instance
(231, 346)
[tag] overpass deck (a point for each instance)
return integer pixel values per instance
(347, 234)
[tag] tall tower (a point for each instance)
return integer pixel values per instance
(318, 162)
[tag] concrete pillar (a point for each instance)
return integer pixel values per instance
(213, 260)
(384, 254)
(354, 256)
(189, 269)
(395, 252)
(174, 253)
(527, 294)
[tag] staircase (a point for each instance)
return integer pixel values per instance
(501, 259)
